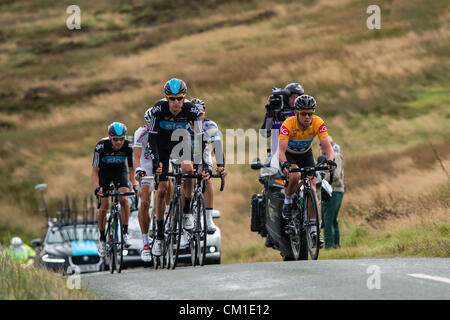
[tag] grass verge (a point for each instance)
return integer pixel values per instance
(20, 283)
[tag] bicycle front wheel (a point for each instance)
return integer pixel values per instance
(118, 243)
(201, 231)
(311, 224)
(175, 230)
(109, 256)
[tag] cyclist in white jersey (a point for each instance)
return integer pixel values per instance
(212, 135)
(143, 164)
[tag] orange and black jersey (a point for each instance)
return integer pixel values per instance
(300, 141)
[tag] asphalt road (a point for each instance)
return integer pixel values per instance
(373, 279)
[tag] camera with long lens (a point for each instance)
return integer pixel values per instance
(278, 99)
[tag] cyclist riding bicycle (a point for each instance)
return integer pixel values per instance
(144, 167)
(164, 119)
(111, 156)
(212, 135)
(296, 137)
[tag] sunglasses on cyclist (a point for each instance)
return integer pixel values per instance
(179, 98)
(118, 138)
(303, 113)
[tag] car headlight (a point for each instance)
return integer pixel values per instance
(48, 259)
(212, 249)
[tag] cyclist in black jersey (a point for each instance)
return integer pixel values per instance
(111, 156)
(167, 121)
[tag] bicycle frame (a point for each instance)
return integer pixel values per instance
(299, 226)
(114, 232)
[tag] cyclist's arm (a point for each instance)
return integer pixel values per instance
(131, 166)
(216, 142)
(327, 148)
(282, 147)
(153, 127)
(283, 141)
(94, 177)
(199, 133)
(137, 157)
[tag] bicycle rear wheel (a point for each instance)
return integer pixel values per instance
(201, 231)
(118, 242)
(311, 224)
(297, 237)
(175, 230)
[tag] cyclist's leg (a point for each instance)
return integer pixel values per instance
(144, 221)
(168, 196)
(187, 166)
(143, 214)
(101, 219)
(121, 183)
(294, 177)
(209, 203)
(104, 206)
(160, 196)
(308, 161)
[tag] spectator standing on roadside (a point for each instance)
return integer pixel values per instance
(331, 208)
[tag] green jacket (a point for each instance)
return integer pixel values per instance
(21, 254)
(338, 178)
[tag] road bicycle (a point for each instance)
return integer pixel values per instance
(114, 231)
(303, 226)
(197, 238)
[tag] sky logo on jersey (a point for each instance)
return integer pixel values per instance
(113, 159)
(168, 125)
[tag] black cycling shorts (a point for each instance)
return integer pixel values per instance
(164, 157)
(301, 160)
(120, 179)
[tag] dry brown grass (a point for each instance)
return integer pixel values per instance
(323, 45)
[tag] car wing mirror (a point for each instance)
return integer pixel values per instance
(256, 164)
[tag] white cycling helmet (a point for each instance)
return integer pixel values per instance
(16, 242)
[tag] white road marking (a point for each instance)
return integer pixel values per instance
(425, 276)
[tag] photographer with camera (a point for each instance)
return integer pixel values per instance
(279, 107)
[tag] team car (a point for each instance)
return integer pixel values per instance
(70, 248)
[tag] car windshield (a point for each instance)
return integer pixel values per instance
(69, 233)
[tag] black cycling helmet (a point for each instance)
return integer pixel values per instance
(294, 87)
(305, 102)
(117, 129)
(199, 104)
(175, 87)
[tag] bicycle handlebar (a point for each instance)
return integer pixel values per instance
(222, 180)
(194, 176)
(318, 167)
